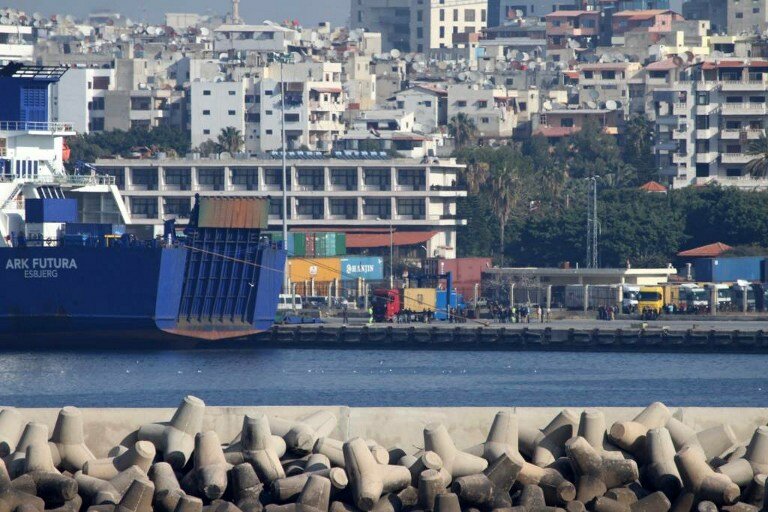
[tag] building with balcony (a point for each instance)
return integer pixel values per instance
(650, 20)
(436, 23)
(558, 123)
(569, 32)
(607, 81)
(504, 12)
(494, 110)
(261, 39)
(17, 43)
(707, 119)
(323, 193)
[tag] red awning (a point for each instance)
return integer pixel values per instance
(369, 240)
(653, 186)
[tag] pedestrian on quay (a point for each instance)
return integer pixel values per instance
(549, 312)
(344, 311)
(370, 315)
(540, 314)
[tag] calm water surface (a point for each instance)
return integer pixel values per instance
(380, 378)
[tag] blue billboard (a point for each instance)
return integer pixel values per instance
(370, 268)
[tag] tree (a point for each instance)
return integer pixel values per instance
(463, 130)
(208, 148)
(231, 140)
(637, 149)
(758, 166)
(505, 197)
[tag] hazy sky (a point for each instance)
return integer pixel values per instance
(308, 12)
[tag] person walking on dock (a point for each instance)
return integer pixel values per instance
(370, 315)
(344, 311)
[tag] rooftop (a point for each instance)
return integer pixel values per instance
(706, 251)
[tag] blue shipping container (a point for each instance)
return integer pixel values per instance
(457, 302)
(370, 268)
(721, 270)
(38, 211)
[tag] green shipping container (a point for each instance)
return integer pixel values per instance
(299, 244)
(341, 244)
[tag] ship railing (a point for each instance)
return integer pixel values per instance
(61, 179)
(39, 126)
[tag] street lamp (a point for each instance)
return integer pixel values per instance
(391, 251)
(283, 58)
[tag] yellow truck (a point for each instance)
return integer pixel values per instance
(650, 302)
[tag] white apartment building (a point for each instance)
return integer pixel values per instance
(493, 110)
(101, 99)
(360, 81)
(434, 22)
(391, 18)
(706, 121)
(746, 16)
(607, 81)
(429, 105)
(17, 43)
(215, 106)
(255, 38)
(408, 195)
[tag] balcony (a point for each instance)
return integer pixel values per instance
(706, 157)
(681, 109)
(744, 85)
(737, 134)
(325, 126)
(707, 133)
(679, 158)
(744, 109)
(680, 134)
(704, 110)
(736, 158)
(708, 85)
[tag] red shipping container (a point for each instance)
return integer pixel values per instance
(465, 270)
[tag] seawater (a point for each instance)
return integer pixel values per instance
(380, 378)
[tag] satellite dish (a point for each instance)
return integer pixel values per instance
(409, 58)
(594, 95)
(394, 53)
(532, 65)
(611, 105)
(296, 57)
(547, 105)
(677, 60)
(592, 105)
(419, 67)
(205, 31)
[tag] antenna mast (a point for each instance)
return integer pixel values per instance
(593, 223)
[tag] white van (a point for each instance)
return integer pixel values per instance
(289, 302)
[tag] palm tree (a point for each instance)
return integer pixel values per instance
(476, 174)
(462, 128)
(231, 140)
(758, 166)
(505, 197)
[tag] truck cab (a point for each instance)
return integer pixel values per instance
(693, 298)
(630, 295)
(650, 301)
(386, 304)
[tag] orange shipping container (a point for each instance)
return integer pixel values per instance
(322, 269)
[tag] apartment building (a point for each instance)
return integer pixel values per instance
(390, 75)
(434, 22)
(99, 99)
(706, 121)
(408, 195)
(391, 18)
(261, 39)
(493, 110)
(360, 81)
(569, 32)
(215, 106)
(714, 12)
(607, 82)
(556, 123)
(651, 20)
(501, 12)
(747, 16)
(17, 43)
(429, 105)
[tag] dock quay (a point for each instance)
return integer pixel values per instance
(590, 336)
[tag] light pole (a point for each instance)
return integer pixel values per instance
(391, 251)
(283, 58)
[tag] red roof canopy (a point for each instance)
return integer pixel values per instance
(653, 186)
(706, 251)
(369, 240)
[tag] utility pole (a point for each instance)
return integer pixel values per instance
(283, 58)
(593, 223)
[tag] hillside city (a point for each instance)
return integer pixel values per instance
(522, 133)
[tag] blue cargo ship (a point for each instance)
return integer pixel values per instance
(219, 281)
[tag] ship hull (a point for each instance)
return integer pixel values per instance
(74, 296)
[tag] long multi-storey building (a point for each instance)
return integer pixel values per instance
(404, 195)
(707, 119)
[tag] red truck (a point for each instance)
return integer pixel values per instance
(388, 303)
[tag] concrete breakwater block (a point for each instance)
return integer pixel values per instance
(654, 461)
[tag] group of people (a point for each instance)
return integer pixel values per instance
(519, 314)
(607, 313)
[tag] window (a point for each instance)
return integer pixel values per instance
(178, 207)
(427, 103)
(206, 92)
(442, 32)
(376, 179)
(97, 104)
(178, 179)
(419, 16)
(206, 132)
(292, 118)
(344, 179)
(310, 179)
(411, 179)
(566, 122)
(269, 132)
(231, 112)
(739, 16)
(101, 83)
(144, 207)
(455, 15)
(419, 32)
(482, 104)
(268, 112)
(442, 14)
(702, 98)
(144, 179)
(206, 112)
(245, 179)
(485, 120)
(483, 15)
(232, 93)
(609, 75)
(344, 208)
(412, 208)
(469, 15)
(461, 103)
(211, 179)
(311, 208)
(376, 208)
(588, 75)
